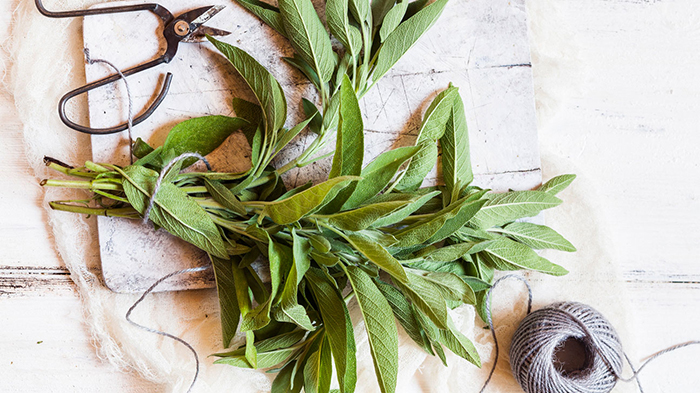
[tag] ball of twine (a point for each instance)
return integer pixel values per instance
(543, 332)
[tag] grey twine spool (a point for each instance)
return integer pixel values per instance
(543, 332)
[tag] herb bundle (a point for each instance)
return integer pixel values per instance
(402, 252)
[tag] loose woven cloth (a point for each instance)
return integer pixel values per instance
(46, 60)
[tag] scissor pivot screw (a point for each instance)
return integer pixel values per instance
(182, 28)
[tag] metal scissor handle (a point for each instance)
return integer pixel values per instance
(173, 33)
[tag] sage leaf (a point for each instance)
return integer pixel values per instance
(459, 344)
(292, 209)
(338, 325)
(407, 210)
(312, 112)
(392, 19)
(266, 89)
(506, 254)
(380, 9)
(228, 302)
(308, 36)
(424, 296)
(536, 236)
(381, 328)
(456, 163)
(141, 148)
(306, 69)
(264, 359)
(200, 135)
(557, 184)
(173, 210)
(452, 225)
(340, 27)
(403, 38)
(267, 13)
(349, 149)
(281, 341)
(510, 206)
(378, 173)
(290, 310)
(421, 164)
(224, 196)
(404, 314)
(319, 369)
(363, 217)
(377, 254)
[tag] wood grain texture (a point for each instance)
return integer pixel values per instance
(631, 130)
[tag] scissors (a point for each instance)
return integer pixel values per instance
(187, 27)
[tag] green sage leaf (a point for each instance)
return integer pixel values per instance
(338, 325)
(292, 209)
(224, 196)
(405, 35)
(456, 163)
(510, 206)
(381, 328)
(557, 184)
(506, 254)
(266, 89)
(267, 13)
(536, 236)
(378, 173)
(308, 36)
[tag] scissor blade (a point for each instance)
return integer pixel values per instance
(201, 32)
(207, 13)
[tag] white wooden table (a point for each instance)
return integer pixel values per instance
(631, 131)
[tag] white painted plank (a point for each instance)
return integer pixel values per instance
(480, 46)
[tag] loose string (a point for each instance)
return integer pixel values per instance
(489, 319)
(178, 339)
(130, 118)
(146, 216)
(151, 203)
(569, 315)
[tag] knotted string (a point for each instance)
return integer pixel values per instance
(162, 175)
(572, 316)
(130, 118)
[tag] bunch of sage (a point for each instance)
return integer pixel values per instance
(404, 253)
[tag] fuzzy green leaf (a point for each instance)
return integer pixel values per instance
(308, 36)
(392, 19)
(557, 184)
(381, 329)
(267, 13)
(506, 254)
(361, 218)
(266, 89)
(378, 173)
(318, 370)
(228, 303)
(405, 35)
(224, 196)
(456, 163)
(536, 236)
(338, 325)
(339, 24)
(377, 254)
(292, 209)
(503, 208)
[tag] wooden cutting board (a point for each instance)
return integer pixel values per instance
(481, 46)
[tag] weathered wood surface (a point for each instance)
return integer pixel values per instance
(631, 129)
(480, 46)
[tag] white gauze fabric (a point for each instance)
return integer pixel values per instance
(46, 60)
